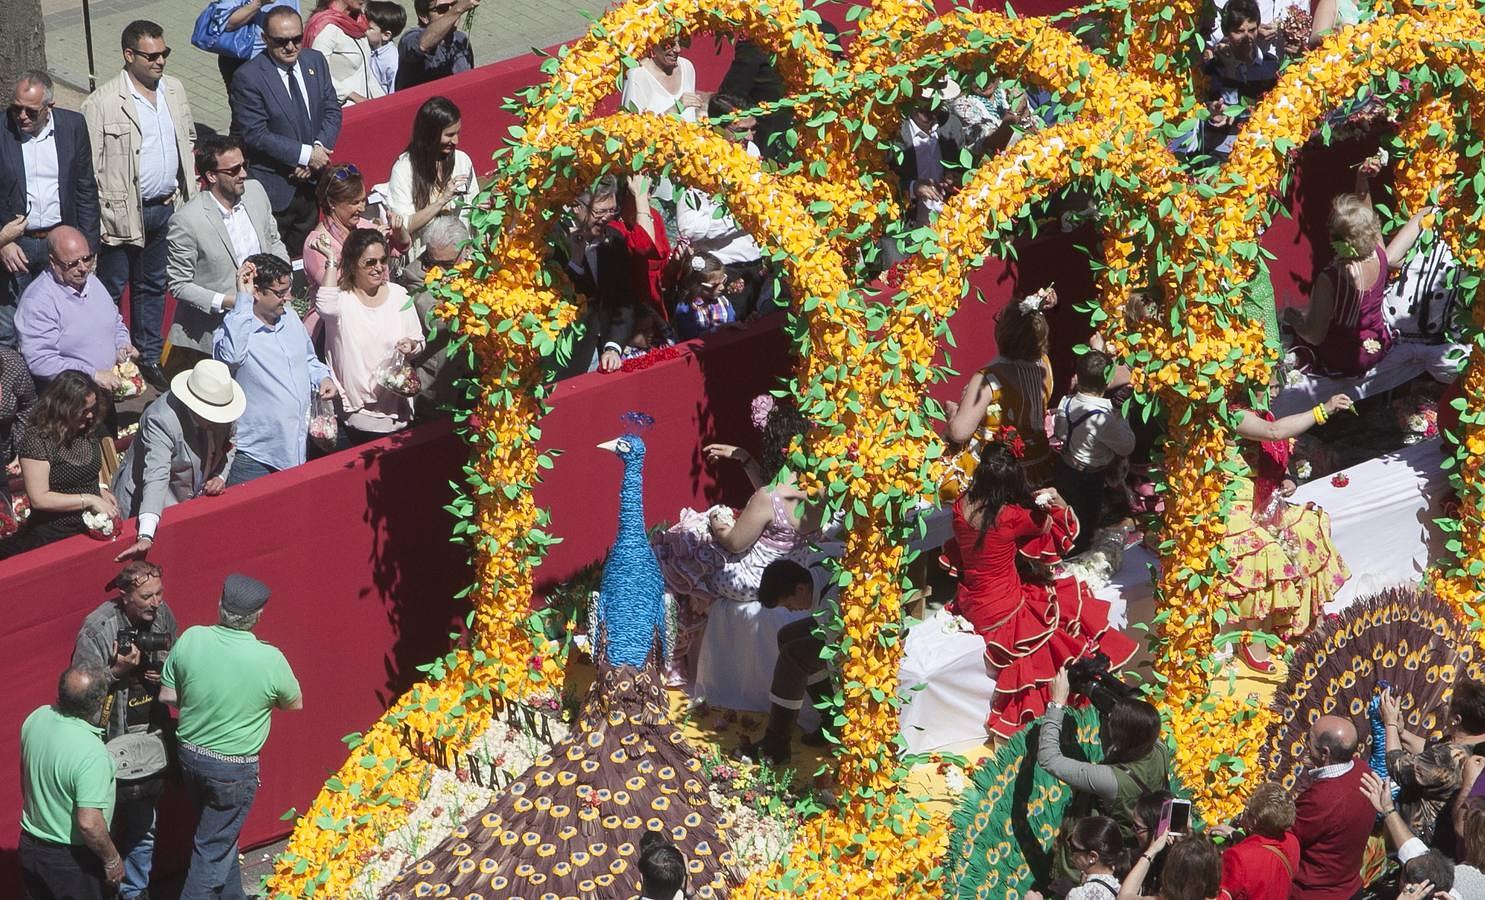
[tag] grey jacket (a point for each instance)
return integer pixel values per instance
(201, 264)
(167, 461)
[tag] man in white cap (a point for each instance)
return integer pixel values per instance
(227, 684)
(183, 449)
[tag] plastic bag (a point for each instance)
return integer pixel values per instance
(131, 383)
(324, 429)
(398, 376)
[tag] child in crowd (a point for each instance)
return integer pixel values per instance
(1240, 67)
(1093, 436)
(387, 21)
(703, 305)
(650, 333)
(1097, 849)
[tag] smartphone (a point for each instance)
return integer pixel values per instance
(1165, 813)
(1180, 817)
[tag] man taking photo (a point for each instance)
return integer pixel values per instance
(129, 638)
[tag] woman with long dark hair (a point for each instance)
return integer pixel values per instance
(1193, 871)
(432, 177)
(1005, 535)
(368, 319)
(341, 196)
(61, 463)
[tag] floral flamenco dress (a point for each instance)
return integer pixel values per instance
(1031, 630)
(1020, 392)
(698, 571)
(1284, 565)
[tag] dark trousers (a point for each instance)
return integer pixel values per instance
(298, 218)
(800, 664)
(143, 270)
(1083, 491)
(12, 285)
(61, 871)
(228, 66)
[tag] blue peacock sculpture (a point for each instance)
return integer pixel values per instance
(571, 825)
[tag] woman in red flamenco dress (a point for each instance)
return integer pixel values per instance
(1033, 624)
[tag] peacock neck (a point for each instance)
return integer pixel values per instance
(632, 500)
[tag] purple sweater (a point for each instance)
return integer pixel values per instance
(60, 329)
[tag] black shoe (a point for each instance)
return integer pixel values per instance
(766, 749)
(154, 377)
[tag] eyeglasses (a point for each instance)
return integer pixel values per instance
(291, 40)
(234, 170)
(80, 262)
(608, 213)
(282, 294)
(151, 57)
(345, 172)
(374, 263)
(429, 262)
(20, 111)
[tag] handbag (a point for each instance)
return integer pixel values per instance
(211, 34)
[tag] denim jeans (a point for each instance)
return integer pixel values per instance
(134, 836)
(222, 793)
(143, 270)
(12, 286)
(245, 469)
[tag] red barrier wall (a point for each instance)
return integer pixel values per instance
(354, 545)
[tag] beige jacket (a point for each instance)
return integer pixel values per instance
(113, 129)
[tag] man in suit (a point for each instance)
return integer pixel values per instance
(142, 133)
(285, 110)
(183, 449)
(211, 235)
(46, 180)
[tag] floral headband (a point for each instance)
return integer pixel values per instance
(1008, 435)
(760, 409)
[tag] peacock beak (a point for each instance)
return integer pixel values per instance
(611, 446)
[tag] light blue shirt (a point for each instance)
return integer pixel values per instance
(43, 177)
(159, 157)
(278, 371)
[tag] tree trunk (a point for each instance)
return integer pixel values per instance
(22, 40)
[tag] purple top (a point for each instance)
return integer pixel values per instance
(1359, 335)
(60, 329)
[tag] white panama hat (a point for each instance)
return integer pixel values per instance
(207, 389)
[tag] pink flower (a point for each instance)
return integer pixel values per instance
(759, 410)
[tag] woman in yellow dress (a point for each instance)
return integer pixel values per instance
(1013, 390)
(1284, 567)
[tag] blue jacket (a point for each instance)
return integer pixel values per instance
(76, 184)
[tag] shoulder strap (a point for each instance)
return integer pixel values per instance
(1282, 858)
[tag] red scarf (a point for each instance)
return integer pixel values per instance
(355, 29)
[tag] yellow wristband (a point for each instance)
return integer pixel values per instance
(1319, 413)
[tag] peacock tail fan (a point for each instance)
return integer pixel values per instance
(1405, 638)
(1003, 828)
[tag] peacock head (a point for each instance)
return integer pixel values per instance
(630, 446)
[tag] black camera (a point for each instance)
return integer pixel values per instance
(146, 641)
(1089, 676)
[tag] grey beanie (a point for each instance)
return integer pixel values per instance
(242, 595)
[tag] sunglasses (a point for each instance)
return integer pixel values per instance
(291, 40)
(441, 8)
(80, 262)
(235, 170)
(346, 172)
(374, 263)
(151, 57)
(20, 111)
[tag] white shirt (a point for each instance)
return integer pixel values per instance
(159, 158)
(697, 221)
(243, 235)
(1100, 436)
(43, 177)
(642, 92)
(1325, 773)
(926, 151)
(283, 75)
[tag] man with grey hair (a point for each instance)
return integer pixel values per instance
(598, 262)
(445, 245)
(67, 782)
(226, 683)
(46, 180)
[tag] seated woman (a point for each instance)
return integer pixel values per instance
(1135, 763)
(1344, 332)
(1033, 625)
(1012, 390)
(61, 463)
(1284, 566)
(716, 555)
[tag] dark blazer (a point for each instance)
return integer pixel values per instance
(77, 187)
(263, 118)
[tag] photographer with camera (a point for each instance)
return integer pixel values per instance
(1135, 759)
(129, 638)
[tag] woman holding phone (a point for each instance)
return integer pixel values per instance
(1193, 870)
(432, 177)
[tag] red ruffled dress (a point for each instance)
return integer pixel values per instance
(1030, 630)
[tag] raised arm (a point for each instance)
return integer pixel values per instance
(1081, 776)
(1402, 242)
(1255, 428)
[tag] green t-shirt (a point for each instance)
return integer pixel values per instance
(64, 765)
(227, 683)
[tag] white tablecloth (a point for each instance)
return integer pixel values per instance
(1403, 363)
(1382, 524)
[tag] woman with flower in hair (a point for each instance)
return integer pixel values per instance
(1005, 536)
(720, 555)
(1344, 332)
(1013, 390)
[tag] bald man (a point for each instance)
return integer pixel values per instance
(67, 320)
(1333, 819)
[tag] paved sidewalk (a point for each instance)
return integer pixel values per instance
(502, 29)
